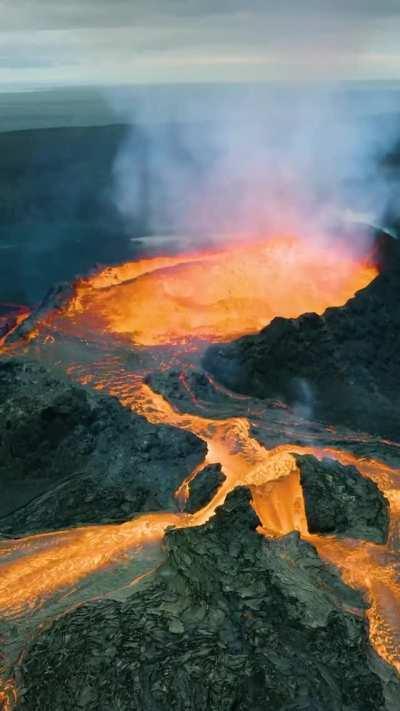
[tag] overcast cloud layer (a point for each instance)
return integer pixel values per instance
(157, 41)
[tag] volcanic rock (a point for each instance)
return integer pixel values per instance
(54, 300)
(188, 389)
(341, 367)
(338, 500)
(69, 455)
(203, 487)
(230, 621)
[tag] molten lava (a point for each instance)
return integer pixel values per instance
(216, 295)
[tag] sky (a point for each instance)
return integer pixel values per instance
(73, 42)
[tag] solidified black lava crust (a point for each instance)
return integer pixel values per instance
(69, 455)
(203, 487)
(342, 367)
(230, 621)
(339, 501)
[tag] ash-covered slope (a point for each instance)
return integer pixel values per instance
(230, 621)
(69, 455)
(342, 367)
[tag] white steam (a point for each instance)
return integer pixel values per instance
(256, 160)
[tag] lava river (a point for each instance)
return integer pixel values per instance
(178, 300)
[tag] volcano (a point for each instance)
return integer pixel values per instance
(185, 528)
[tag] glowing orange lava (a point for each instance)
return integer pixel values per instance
(38, 566)
(216, 295)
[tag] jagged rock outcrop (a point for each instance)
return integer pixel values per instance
(53, 301)
(203, 487)
(341, 367)
(339, 501)
(189, 390)
(230, 621)
(69, 455)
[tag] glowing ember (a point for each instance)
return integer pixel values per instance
(216, 295)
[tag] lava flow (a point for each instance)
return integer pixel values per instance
(213, 296)
(216, 295)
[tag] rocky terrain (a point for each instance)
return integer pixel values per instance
(69, 455)
(231, 620)
(341, 367)
(339, 501)
(203, 487)
(188, 390)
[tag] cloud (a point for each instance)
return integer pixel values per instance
(152, 41)
(65, 14)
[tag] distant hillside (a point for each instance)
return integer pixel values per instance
(57, 213)
(54, 108)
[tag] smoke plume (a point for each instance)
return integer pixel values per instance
(215, 162)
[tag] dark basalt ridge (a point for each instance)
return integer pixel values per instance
(338, 500)
(230, 621)
(69, 455)
(54, 301)
(188, 390)
(203, 487)
(341, 367)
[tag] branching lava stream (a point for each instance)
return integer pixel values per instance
(214, 296)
